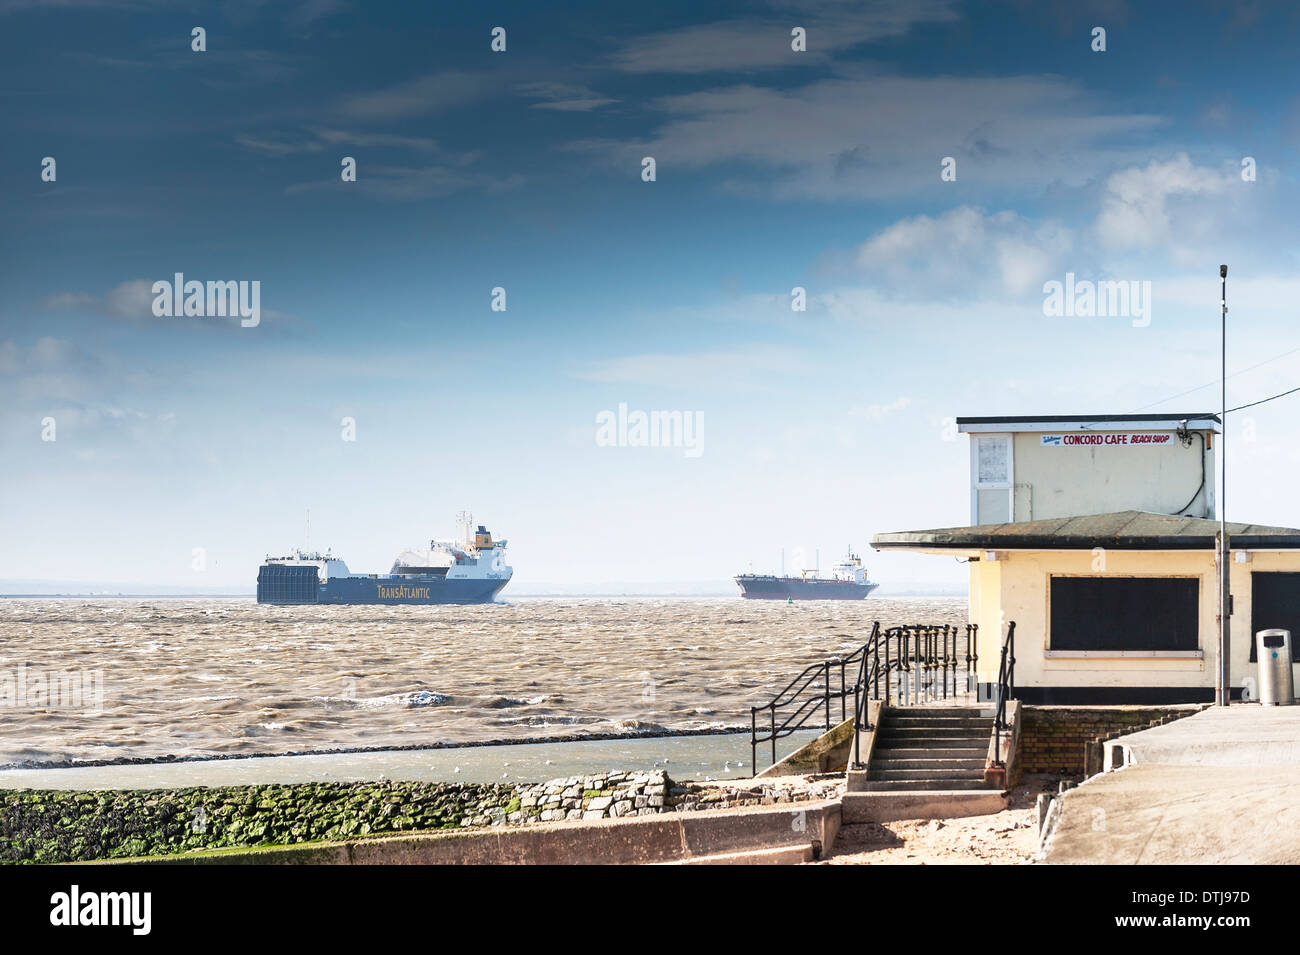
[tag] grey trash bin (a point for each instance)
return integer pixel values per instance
(1276, 683)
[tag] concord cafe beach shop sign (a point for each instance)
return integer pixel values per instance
(1091, 439)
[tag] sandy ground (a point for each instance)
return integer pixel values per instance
(1009, 837)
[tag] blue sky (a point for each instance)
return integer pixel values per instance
(522, 170)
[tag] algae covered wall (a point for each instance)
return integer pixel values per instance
(56, 826)
(45, 826)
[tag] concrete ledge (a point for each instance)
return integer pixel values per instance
(828, 753)
(1003, 768)
(667, 837)
(920, 804)
(856, 779)
(784, 855)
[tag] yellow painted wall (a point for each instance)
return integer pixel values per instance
(1017, 588)
(985, 610)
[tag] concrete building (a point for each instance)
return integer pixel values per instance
(1104, 556)
(1032, 468)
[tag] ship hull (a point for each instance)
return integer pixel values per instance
(763, 587)
(287, 586)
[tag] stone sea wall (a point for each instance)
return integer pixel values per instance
(42, 826)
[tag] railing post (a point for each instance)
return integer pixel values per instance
(888, 669)
(773, 735)
(857, 726)
(918, 652)
(753, 741)
(927, 665)
(972, 659)
(843, 694)
(932, 646)
(826, 682)
(997, 734)
(944, 668)
(1011, 673)
(956, 660)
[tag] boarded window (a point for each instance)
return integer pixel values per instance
(993, 460)
(1125, 613)
(1274, 603)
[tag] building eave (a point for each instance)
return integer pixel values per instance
(1121, 530)
(1135, 422)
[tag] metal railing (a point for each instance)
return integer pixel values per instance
(920, 665)
(799, 701)
(1006, 690)
(914, 663)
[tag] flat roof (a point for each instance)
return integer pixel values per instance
(1206, 421)
(1118, 530)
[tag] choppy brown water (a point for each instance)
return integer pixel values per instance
(191, 677)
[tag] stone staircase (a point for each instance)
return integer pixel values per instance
(926, 763)
(930, 748)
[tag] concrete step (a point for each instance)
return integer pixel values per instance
(939, 803)
(949, 722)
(984, 711)
(967, 764)
(956, 751)
(926, 772)
(923, 784)
(779, 855)
(932, 732)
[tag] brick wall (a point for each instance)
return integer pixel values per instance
(1052, 738)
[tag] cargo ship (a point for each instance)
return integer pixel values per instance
(472, 571)
(848, 581)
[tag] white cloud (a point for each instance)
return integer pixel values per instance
(70, 300)
(871, 135)
(564, 97)
(964, 254)
(422, 95)
(416, 182)
(1145, 207)
(319, 139)
(763, 43)
(132, 300)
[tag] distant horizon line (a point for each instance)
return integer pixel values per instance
(70, 594)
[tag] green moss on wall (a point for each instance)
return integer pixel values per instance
(42, 826)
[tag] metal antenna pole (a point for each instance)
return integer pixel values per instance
(1223, 687)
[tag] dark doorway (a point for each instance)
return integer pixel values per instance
(1274, 602)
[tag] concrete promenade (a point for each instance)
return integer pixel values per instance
(1222, 786)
